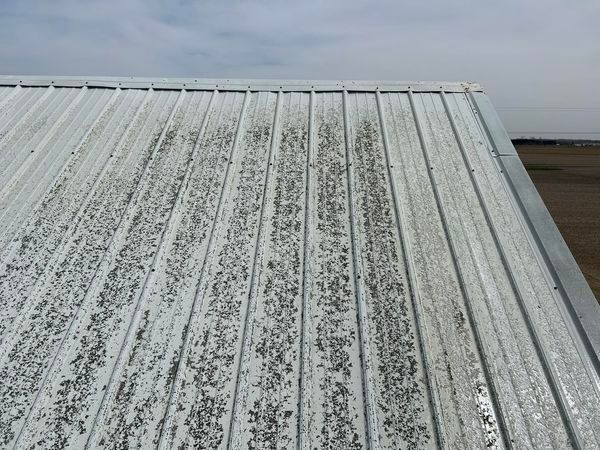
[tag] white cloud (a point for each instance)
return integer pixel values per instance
(525, 52)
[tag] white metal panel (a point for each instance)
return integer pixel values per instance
(314, 264)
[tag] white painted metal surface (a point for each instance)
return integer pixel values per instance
(257, 265)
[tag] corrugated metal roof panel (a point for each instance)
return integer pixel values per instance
(346, 267)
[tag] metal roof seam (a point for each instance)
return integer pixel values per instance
(35, 206)
(412, 279)
(372, 426)
(89, 290)
(16, 324)
(498, 139)
(136, 317)
(41, 144)
(281, 262)
(456, 266)
(544, 263)
(241, 383)
(548, 367)
(165, 431)
(302, 426)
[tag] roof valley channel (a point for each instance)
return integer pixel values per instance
(58, 293)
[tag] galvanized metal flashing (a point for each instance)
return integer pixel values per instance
(264, 263)
(490, 121)
(240, 85)
(578, 297)
(574, 290)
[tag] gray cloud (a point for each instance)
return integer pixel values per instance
(526, 53)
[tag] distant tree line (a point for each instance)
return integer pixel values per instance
(545, 141)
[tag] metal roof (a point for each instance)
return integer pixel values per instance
(261, 263)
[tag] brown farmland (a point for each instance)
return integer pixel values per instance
(568, 179)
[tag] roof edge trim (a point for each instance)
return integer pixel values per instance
(571, 285)
(240, 84)
(570, 282)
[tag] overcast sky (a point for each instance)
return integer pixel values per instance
(542, 53)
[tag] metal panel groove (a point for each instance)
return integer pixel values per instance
(14, 212)
(413, 286)
(555, 387)
(89, 291)
(241, 380)
(165, 431)
(372, 428)
(149, 281)
(281, 263)
(305, 344)
(488, 412)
